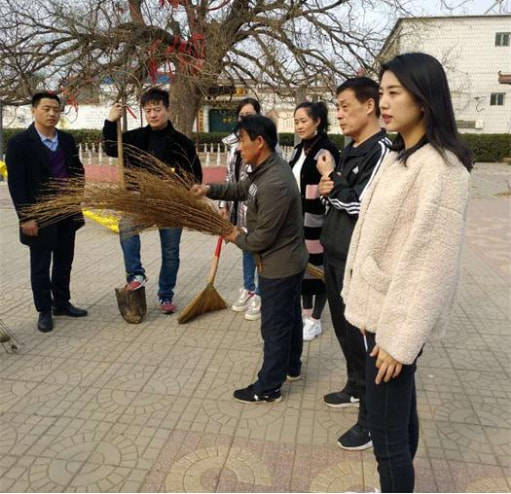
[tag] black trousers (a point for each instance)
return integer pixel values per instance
(281, 329)
(44, 286)
(350, 338)
(393, 423)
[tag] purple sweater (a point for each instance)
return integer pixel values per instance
(57, 163)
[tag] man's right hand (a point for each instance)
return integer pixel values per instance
(115, 112)
(224, 213)
(30, 228)
(325, 186)
(325, 163)
(199, 190)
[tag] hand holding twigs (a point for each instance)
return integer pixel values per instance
(388, 367)
(325, 164)
(30, 228)
(199, 190)
(231, 236)
(325, 186)
(115, 112)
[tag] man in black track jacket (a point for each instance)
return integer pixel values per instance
(342, 190)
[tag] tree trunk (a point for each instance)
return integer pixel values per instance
(185, 100)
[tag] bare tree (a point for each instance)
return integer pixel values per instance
(202, 44)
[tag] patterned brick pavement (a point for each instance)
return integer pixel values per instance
(99, 405)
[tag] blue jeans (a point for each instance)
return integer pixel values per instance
(249, 270)
(393, 423)
(169, 241)
(282, 331)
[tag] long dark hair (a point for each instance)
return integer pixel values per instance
(424, 77)
(316, 111)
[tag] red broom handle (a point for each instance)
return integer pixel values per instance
(218, 247)
(214, 261)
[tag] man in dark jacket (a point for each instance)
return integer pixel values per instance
(35, 156)
(342, 190)
(274, 234)
(160, 139)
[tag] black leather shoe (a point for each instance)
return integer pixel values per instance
(69, 310)
(45, 321)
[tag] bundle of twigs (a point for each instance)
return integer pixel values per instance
(7, 339)
(155, 196)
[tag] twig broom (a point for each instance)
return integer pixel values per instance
(315, 272)
(7, 339)
(209, 299)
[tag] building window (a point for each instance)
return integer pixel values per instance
(466, 124)
(502, 39)
(497, 99)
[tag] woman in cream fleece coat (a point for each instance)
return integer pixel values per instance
(403, 263)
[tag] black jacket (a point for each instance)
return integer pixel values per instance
(274, 217)
(180, 151)
(312, 207)
(309, 174)
(356, 168)
(28, 171)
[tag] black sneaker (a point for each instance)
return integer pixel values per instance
(355, 439)
(248, 395)
(340, 399)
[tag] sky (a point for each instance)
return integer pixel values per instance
(473, 7)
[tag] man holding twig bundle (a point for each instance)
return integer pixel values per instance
(160, 139)
(274, 234)
(36, 157)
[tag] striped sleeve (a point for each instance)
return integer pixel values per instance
(346, 196)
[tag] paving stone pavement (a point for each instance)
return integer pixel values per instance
(100, 405)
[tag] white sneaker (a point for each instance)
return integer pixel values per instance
(311, 329)
(253, 312)
(242, 303)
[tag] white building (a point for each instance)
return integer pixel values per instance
(473, 50)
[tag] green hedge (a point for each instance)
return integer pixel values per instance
(209, 137)
(486, 147)
(80, 135)
(285, 138)
(489, 147)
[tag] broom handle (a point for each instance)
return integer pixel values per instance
(214, 261)
(120, 155)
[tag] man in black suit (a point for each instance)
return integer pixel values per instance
(33, 157)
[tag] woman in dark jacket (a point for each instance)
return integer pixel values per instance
(311, 124)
